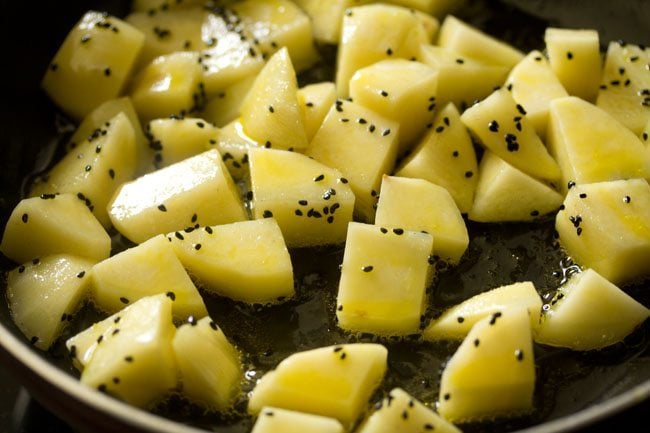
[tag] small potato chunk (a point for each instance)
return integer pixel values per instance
(315, 101)
(311, 202)
(419, 205)
(334, 381)
(54, 224)
(197, 190)
(493, 371)
(575, 58)
(275, 420)
(175, 139)
(247, 260)
(43, 295)
(384, 275)
(605, 226)
(93, 64)
(588, 313)
(209, 365)
(145, 270)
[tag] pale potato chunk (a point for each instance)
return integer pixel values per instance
(197, 190)
(605, 226)
(575, 58)
(247, 260)
(275, 420)
(145, 270)
(175, 139)
(44, 295)
(419, 205)
(588, 313)
(209, 365)
(315, 101)
(334, 381)
(93, 64)
(54, 224)
(384, 276)
(493, 371)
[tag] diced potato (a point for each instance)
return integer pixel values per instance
(437, 8)
(44, 295)
(399, 90)
(605, 226)
(97, 119)
(209, 365)
(270, 113)
(625, 89)
(145, 270)
(274, 420)
(169, 85)
(93, 64)
(445, 156)
(233, 144)
(575, 58)
(327, 16)
(505, 193)
(175, 139)
(96, 167)
(456, 322)
(315, 101)
(168, 31)
(334, 381)
(158, 5)
(54, 224)
(588, 313)
(419, 205)
(197, 190)
(399, 412)
(384, 276)
(461, 80)
(502, 127)
(534, 85)
(276, 24)
(362, 145)
(460, 37)
(247, 261)
(493, 371)
(376, 32)
(135, 362)
(592, 146)
(311, 202)
(229, 58)
(224, 108)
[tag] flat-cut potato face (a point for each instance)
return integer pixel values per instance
(352, 216)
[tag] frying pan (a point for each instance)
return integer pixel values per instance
(574, 391)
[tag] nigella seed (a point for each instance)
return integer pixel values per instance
(583, 195)
(361, 120)
(476, 342)
(493, 126)
(21, 269)
(319, 178)
(36, 261)
(371, 128)
(267, 144)
(81, 274)
(431, 259)
(111, 173)
(385, 132)
(101, 388)
(25, 218)
(303, 202)
(213, 325)
(569, 55)
(88, 167)
(197, 247)
(179, 236)
(398, 231)
(124, 300)
(54, 67)
(519, 354)
(85, 39)
(100, 339)
(460, 61)
(367, 268)
(455, 154)
(570, 184)
(171, 295)
(343, 180)
(128, 358)
(405, 415)
(494, 317)
(521, 109)
(343, 355)
(191, 320)
(579, 231)
(428, 426)
(627, 199)
(298, 212)
(340, 308)
(338, 349)
(447, 396)
(162, 208)
(383, 230)
(469, 174)
(439, 129)
(208, 229)
(271, 109)
(267, 214)
(460, 319)
(330, 219)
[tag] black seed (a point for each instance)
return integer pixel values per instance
(54, 67)
(343, 355)
(371, 128)
(521, 109)
(579, 231)
(298, 212)
(36, 261)
(162, 208)
(338, 349)
(439, 129)
(81, 274)
(476, 342)
(100, 339)
(627, 199)
(389, 52)
(405, 415)
(367, 269)
(344, 119)
(460, 61)
(340, 308)
(124, 300)
(493, 126)
(383, 230)
(303, 202)
(21, 269)
(569, 55)
(101, 388)
(271, 109)
(583, 195)
(319, 178)
(447, 396)
(213, 325)
(494, 317)
(330, 219)
(179, 236)
(570, 184)
(111, 173)
(191, 320)
(171, 295)
(398, 231)
(383, 93)
(25, 218)
(460, 319)
(428, 426)
(469, 174)
(455, 154)
(128, 358)
(519, 354)
(309, 104)
(197, 247)
(267, 214)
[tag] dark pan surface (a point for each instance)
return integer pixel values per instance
(568, 382)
